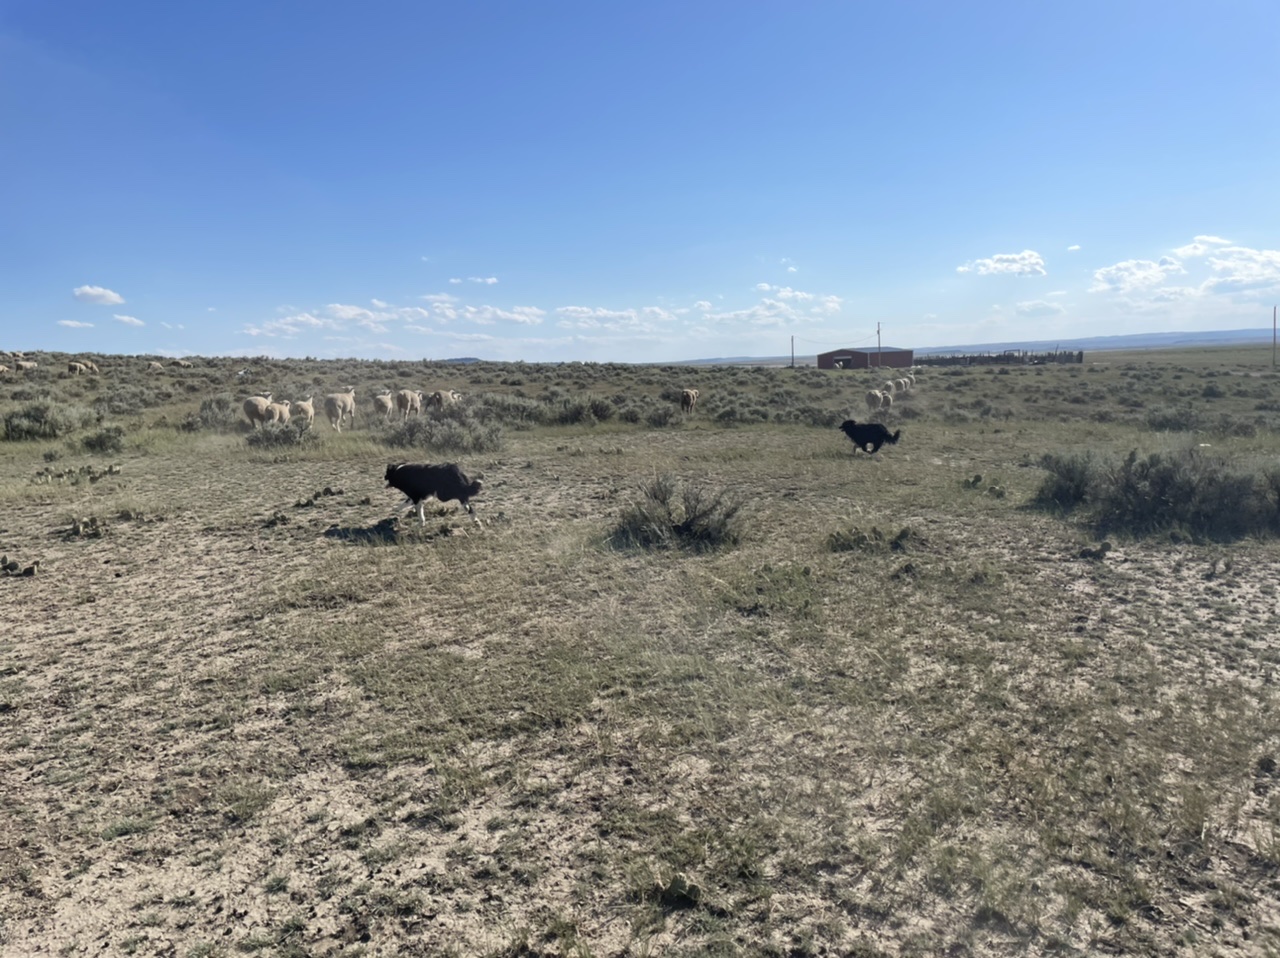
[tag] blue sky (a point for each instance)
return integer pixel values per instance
(631, 182)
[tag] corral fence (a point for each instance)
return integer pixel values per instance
(1010, 357)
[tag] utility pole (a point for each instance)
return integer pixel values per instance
(879, 361)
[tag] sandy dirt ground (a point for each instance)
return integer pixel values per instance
(149, 805)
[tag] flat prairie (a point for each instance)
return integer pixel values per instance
(889, 705)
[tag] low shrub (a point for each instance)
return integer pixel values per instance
(659, 416)
(274, 435)
(1185, 490)
(221, 413)
(46, 419)
(453, 433)
(105, 441)
(1069, 483)
(669, 514)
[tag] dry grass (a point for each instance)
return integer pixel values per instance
(904, 714)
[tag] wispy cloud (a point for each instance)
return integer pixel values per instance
(1026, 263)
(1073, 247)
(482, 280)
(1133, 274)
(488, 315)
(648, 319)
(1038, 308)
(1200, 246)
(97, 294)
(128, 320)
(288, 327)
(786, 292)
(74, 324)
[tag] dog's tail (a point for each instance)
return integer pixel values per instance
(894, 437)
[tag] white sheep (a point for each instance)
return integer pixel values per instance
(90, 365)
(306, 409)
(279, 412)
(256, 409)
(875, 398)
(3, 369)
(407, 401)
(339, 406)
(25, 365)
(384, 404)
(887, 388)
(77, 369)
(154, 367)
(886, 401)
(181, 364)
(441, 398)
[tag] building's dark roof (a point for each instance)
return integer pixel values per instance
(872, 349)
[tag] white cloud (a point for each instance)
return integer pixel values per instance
(1241, 268)
(1026, 263)
(488, 315)
(1057, 292)
(1038, 307)
(177, 326)
(455, 280)
(702, 304)
(75, 324)
(785, 292)
(792, 269)
(288, 327)
(213, 309)
(633, 321)
(484, 280)
(1073, 248)
(357, 313)
(128, 320)
(1134, 274)
(1200, 246)
(379, 304)
(97, 294)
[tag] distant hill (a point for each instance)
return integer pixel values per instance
(1214, 337)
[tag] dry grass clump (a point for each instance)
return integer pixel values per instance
(670, 514)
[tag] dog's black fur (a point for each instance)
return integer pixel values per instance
(419, 481)
(866, 434)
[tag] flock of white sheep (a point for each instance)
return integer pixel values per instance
(340, 408)
(882, 399)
